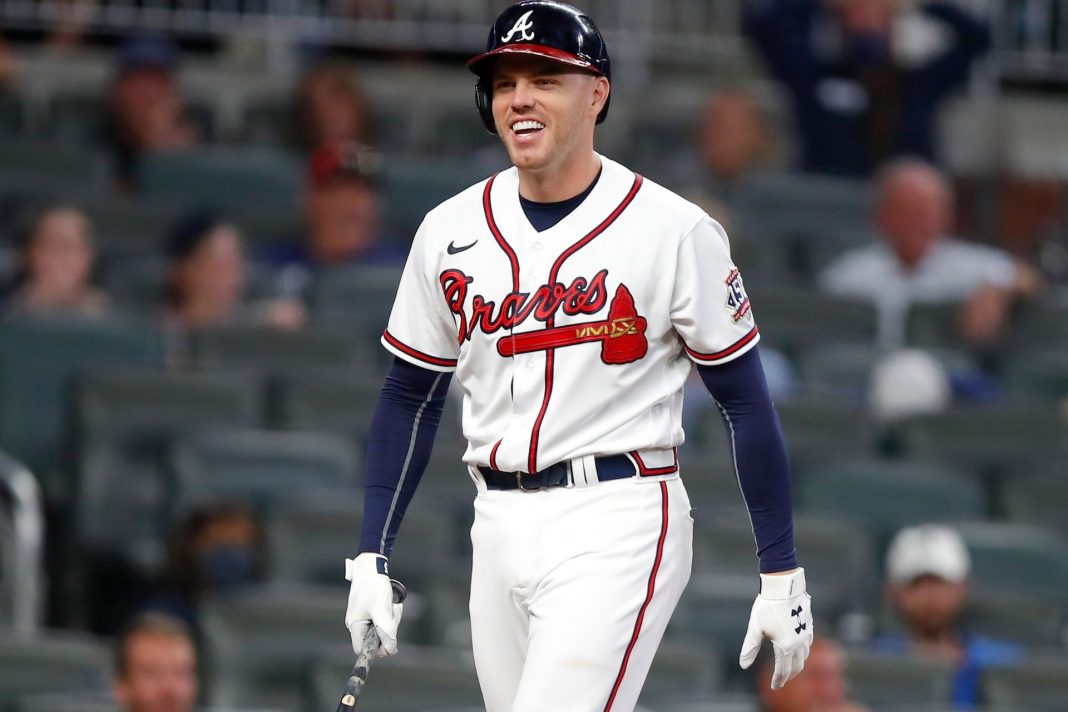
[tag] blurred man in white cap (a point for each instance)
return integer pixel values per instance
(927, 569)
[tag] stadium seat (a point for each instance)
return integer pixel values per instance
(883, 680)
(793, 320)
(1040, 326)
(125, 422)
(1035, 496)
(225, 178)
(309, 535)
(52, 662)
(885, 496)
(995, 435)
(816, 427)
(39, 361)
(41, 169)
(1017, 559)
(261, 466)
(76, 119)
(413, 186)
(1038, 374)
(334, 401)
(836, 552)
(259, 644)
(358, 296)
(1037, 685)
(417, 680)
(12, 114)
(68, 702)
(273, 352)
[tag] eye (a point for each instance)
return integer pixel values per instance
(502, 84)
(546, 81)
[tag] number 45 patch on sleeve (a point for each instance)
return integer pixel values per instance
(737, 299)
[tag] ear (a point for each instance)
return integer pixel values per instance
(601, 90)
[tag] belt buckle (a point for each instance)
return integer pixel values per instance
(520, 485)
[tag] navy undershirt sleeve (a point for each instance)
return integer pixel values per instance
(402, 434)
(759, 450)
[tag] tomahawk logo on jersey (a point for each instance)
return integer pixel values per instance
(572, 316)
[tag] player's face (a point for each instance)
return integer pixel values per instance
(545, 111)
(160, 675)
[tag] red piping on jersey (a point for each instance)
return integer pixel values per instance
(487, 208)
(644, 471)
(418, 355)
(493, 454)
(651, 586)
(733, 348)
(532, 457)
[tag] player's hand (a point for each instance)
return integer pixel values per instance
(371, 601)
(782, 612)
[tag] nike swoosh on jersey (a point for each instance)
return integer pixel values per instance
(453, 249)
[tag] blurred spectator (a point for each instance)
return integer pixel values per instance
(927, 569)
(56, 267)
(863, 87)
(217, 548)
(734, 141)
(155, 665)
(330, 108)
(7, 67)
(206, 279)
(147, 109)
(341, 212)
(918, 262)
(820, 687)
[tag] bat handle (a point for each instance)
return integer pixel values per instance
(371, 641)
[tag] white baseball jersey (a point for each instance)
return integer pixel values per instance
(575, 340)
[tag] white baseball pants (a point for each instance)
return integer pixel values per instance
(572, 589)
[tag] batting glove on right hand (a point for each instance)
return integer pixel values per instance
(782, 611)
(371, 601)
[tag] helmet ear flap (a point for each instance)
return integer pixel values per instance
(484, 102)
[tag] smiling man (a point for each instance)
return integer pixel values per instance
(571, 298)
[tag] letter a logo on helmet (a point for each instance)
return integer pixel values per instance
(523, 26)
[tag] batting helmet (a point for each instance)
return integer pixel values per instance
(544, 28)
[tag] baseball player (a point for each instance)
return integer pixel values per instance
(571, 297)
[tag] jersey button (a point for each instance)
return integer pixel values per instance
(537, 246)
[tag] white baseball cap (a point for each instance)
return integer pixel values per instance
(928, 549)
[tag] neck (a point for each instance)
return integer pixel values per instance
(552, 184)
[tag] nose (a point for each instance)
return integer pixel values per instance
(522, 96)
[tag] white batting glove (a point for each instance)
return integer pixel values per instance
(371, 600)
(782, 612)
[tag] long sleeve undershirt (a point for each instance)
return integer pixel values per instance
(413, 398)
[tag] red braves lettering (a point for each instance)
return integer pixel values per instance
(580, 297)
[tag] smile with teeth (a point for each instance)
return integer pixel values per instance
(524, 127)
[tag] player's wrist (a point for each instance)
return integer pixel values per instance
(366, 563)
(782, 585)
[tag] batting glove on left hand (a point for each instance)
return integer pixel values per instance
(371, 601)
(782, 611)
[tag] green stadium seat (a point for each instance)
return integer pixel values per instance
(68, 702)
(39, 169)
(261, 466)
(1038, 374)
(1036, 496)
(12, 114)
(793, 320)
(40, 358)
(225, 178)
(1017, 559)
(885, 496)
(359, 297)
(308, 536)
(337, 402)
(1040, 326)
(51, 662)
(884, 680)
(76, 119)
(414, 186)
(259, 644)
(125, 423)
(680, 669)
(816, 427)
(1037, 685)
(1007, 435)
(417, 680)
(275, 352)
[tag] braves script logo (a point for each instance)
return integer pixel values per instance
(523, 26)
(622, 334)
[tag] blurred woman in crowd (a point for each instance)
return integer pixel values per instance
(56, 266)
(330, 108)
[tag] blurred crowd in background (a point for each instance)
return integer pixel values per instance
(198, 253)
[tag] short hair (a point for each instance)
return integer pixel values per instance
(149, 623)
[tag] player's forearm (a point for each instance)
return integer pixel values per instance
(398, 449)
(760, 456)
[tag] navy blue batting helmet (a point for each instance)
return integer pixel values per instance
(544, 28)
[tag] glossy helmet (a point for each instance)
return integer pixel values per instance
(545, 28)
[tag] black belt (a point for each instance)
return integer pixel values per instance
(609, 467)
